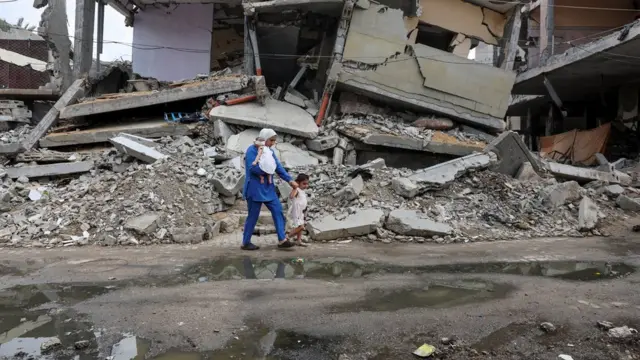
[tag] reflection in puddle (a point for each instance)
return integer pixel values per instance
(332, 268)
(432, 296)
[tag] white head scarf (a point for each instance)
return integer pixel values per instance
(266, 134)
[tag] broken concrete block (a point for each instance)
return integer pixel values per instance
(294, 99)
(321, 158)
(443, 173)
(601, 159)
(277, 115)
(139, 139)
(228, 181)
(613, 190)
(292, 156)
(414, 223)
(137, 150)
(378, 163)
(144, 224)
(363, 222)
(628, 203)
(188, 235)
(229, 224)
(213, 230)
(585, 175)
(405, 187)
(338, 156)
(352, 190)
(512, 152)
(222, 131)
(527, 173)
(351, 158)
(322, 143)
(37, 171)
(587, 214)
(560, 194)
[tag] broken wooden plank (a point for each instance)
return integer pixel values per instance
(137, 150)
(74, 91)
(50, 170)
(142, 99)
(149, 129)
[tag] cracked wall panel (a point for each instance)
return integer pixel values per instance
(462, 17)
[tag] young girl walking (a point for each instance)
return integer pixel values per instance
(297, 206)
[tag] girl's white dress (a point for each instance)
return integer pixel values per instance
(297, 205)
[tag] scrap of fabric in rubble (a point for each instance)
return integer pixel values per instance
(577, 147)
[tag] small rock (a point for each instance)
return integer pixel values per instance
(628, 203)
(85, 227)
(587, 214)
(23, 179)
(405, 187)
(143, 224)
(548, 327)
(82, 344)
(527, 173)
(622, 332)
(605, 325)
(560, 194)
(201, 172)
(50, 345)
(613, 190)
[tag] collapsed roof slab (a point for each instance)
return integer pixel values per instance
(277, 115)
(589, 68)
(379, 62)
(117, 102)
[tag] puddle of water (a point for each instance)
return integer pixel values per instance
(431, 296)
(333, 268)
(265, 344)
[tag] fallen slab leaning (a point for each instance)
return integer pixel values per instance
(137, 100)
(586, 175)
(277, 115)
(37, 171)
(443, 173)
(137, 150)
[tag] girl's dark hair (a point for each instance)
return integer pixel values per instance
(302, 177)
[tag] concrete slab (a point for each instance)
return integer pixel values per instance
(363, 222)
(37, 171)
(277, 115)
(144, 224)
(512, 153)
(117, 102)
(440, 143)
(580, 69)
(586, 175)
(414, 223)
(137, 150)
(288, 154)
(441, 174)
(149, 129)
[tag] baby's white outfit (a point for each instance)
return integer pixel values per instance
(267, 162)
(297, 205)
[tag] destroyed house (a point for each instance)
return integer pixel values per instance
(580, 74)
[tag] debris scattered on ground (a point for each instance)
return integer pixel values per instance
(425, 351)
(548, 327)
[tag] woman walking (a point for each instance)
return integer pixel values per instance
(258, 192)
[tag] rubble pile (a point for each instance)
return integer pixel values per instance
(482, 205)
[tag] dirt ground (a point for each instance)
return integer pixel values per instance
(328, 301)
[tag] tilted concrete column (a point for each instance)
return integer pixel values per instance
(546, 29)
(83, 40)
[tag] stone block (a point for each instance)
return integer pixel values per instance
(628, 203)
(378, 163)
(228, 181)
(322, 143)
(414, 223)
(405, 187)
(292, 156)
(560, 194)
(222, 131)
(352, 190)
(144, 224)
(363, 222)
(188, 235)
(527, 173)
(613, 190)
(443, 173)
(137, 150)
(587, 214)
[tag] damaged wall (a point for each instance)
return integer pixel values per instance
(380, 62)
(465, 18)
(227, 42)
(186, 26)
(23, 60)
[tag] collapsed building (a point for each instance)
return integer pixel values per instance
(402, 132)
(577, 82)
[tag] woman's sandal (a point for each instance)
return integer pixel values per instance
(285, 244)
